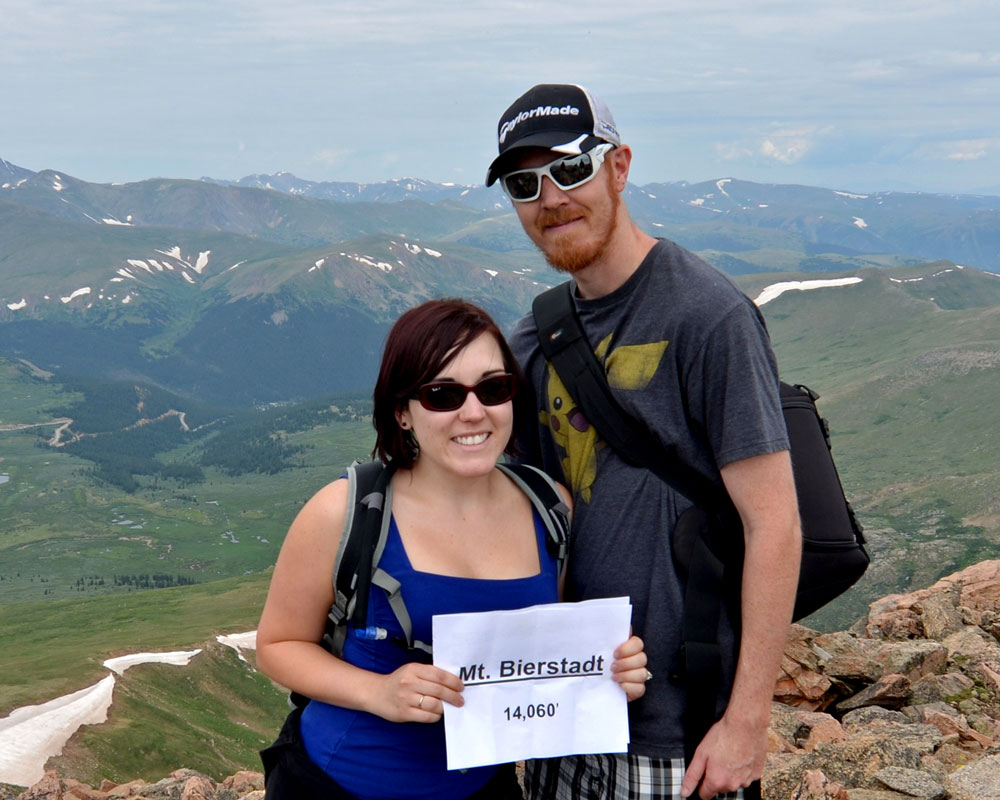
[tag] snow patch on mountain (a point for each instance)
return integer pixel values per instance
(775, 290)
(31, 735)
(239, 642)
(179, 658)
(78, 293)
(139, 264)
(937, 274)
(368, 261)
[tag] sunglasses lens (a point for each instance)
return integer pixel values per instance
(568, 172)
(494, 391)
(521, 185)
(442, 396)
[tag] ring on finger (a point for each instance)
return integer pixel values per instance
(420, 702)
(649, 676)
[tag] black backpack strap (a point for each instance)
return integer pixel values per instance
(548, 502)
(565, 345)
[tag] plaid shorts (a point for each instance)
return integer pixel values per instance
(607, 777)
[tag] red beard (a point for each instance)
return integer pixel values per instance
(571, 252)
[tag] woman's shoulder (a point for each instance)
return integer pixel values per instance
(322, 518)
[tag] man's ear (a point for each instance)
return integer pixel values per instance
(620, 160)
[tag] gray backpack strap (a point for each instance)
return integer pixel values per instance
(393, 593)
(365, 495)
(356, 570)
(547, 500)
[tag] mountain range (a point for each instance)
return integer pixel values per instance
(272, 288)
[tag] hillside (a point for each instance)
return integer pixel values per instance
(898, 360)
(205, 492)
(904, 704)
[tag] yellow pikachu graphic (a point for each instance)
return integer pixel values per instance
(629, 367)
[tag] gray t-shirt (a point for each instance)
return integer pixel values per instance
(685, 352)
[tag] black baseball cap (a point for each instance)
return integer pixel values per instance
(562, 117)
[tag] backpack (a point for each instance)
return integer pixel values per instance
(706, 543)
(363, 539)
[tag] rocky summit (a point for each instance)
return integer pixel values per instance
(185, 784)
(905, 704)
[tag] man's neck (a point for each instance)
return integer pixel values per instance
(617, 264)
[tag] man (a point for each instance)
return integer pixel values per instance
(686, 353)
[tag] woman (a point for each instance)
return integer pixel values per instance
(463, 538)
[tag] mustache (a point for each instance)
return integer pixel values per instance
(558, 216)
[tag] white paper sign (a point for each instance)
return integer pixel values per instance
(537, 681)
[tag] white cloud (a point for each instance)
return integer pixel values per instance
(787, 148)
(956, 150)
(971, 150)
(786, 145)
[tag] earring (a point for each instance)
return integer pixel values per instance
(404, 425)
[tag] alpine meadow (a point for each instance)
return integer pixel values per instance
(183, 363)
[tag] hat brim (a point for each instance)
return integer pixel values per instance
(546, 140)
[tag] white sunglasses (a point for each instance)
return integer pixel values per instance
(525, 185)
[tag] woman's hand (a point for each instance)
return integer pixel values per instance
(629, 668)
(416, 693)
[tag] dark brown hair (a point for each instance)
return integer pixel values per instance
(419, 345)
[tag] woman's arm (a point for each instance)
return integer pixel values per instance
(294, 619)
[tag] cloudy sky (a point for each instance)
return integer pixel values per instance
(848, 94)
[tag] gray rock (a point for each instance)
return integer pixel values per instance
(914, 659)
(917, 712)
(980, 780)
(911, 782)
(951, 687)
(870, 716)
(939, 614)
(970, 644)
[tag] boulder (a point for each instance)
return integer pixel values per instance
(914, 659)
(890, 691)
(911, 782)
(816, 786)
(951, 687)
(979, 780)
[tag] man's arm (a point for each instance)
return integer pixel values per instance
(733, 751)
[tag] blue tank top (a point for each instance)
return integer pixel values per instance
(374, 758)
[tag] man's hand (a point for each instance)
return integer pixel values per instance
(730, 757)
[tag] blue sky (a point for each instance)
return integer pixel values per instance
(898, 94)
